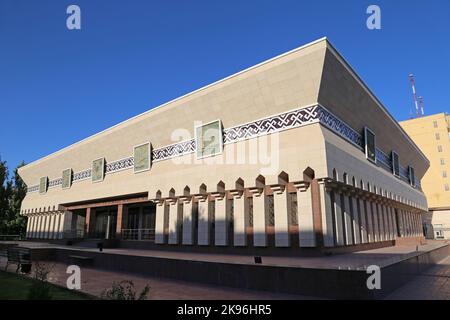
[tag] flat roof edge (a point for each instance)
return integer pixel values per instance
(33, 163)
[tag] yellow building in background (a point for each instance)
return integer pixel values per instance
(432, 135)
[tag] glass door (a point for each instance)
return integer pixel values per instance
(105, 223)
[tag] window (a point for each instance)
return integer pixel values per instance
(442, 161)
(98, 170)
(43, 185)
(412, 178)
(395, 164)
(209, 140)
(444, 174)
(370, 144)
(439, 148)
(435, 124)
(446, 187)
(142, 157)
(66, 178)
(438, 137)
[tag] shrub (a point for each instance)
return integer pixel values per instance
(124, 290)
(40, 289)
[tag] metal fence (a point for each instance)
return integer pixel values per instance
(9, 237)
(138, 234)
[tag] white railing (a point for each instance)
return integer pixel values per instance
(138, 234)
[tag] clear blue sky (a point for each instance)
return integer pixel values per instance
(59, 86)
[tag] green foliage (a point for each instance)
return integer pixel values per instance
(124, 290)
(40, 289)
(12, 192)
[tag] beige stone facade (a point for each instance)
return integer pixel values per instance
(292, 170)
(432, 135)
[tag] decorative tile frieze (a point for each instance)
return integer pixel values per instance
(82, 175)
(174, 150)
(55, 183)
(119, 165)
(338, 126)
(34, 188)
(287, 120)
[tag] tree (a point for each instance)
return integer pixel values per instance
(5, 195)
(17, 223)
(12, 192)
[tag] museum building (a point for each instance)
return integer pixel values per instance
(293, 152)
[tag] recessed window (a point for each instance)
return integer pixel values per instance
(208, 138)
(66, 178)
(142, 157)
(438, 137)
(442, 161)
(412, 177)
(444, 174)
(395, 164)
(98, 170)
(370, 144)
(446, 187)
(43, 185)
(439, 148)
(435, 124)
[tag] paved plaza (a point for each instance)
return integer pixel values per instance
(431, 284)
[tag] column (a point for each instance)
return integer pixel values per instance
(307, 236)
(188, 223)
(203, 221)
(376, 222)
(89, 218)
(327, 215)
(381, 235)
(348, 224)
(27, 233)
(408, 223)
(47, 226)
(400, 223)
(240, 223)
(52, 226)
(394, 224)
(33, 226)
(160, 222)
(280, 208)
(383, 227)
(389, 222)
(119, 221)
(356, 220)
(394, 219)
(339, 227)
(60, 225)
(363, 221)
(369, 220)
(419, 225)
(259, 217)
(32, 222)
(38, 226)
(222, 213)
(419, 221)
(174, 215)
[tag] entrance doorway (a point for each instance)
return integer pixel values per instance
(105, 223)
(140, 222)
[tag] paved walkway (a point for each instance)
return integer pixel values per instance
(348, 261)
(433, 284)
(94, 281)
